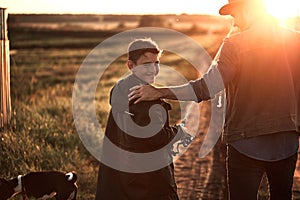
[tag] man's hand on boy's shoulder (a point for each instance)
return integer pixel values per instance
(144, 93)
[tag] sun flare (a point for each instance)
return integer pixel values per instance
(283, 9)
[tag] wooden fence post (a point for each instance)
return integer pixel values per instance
(5, 101)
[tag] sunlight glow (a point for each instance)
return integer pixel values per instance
(283, 9)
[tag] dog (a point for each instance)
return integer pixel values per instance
(41, 185)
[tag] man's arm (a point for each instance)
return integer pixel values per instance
(202, 89)
(149, 93)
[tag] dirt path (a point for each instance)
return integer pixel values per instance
(201, 178)
(205, 178)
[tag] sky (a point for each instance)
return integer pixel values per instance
(279, 8)
(114, 6)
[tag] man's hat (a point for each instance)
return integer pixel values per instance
(233, 4)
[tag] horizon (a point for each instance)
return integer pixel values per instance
(130, 7)
(281, 10)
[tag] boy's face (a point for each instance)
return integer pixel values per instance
(146, 67)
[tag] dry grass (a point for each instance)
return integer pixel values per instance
(42, 135)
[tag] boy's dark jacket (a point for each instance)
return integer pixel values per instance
(152, 185)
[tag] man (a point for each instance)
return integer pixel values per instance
(133, 130)
(260, 70)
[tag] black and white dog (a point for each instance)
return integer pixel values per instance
(41, 185)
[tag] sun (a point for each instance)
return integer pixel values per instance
(283, 10)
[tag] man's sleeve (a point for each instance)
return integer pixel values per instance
(218, 75)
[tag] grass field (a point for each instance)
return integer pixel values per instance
(44, 63)
(45, 58)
